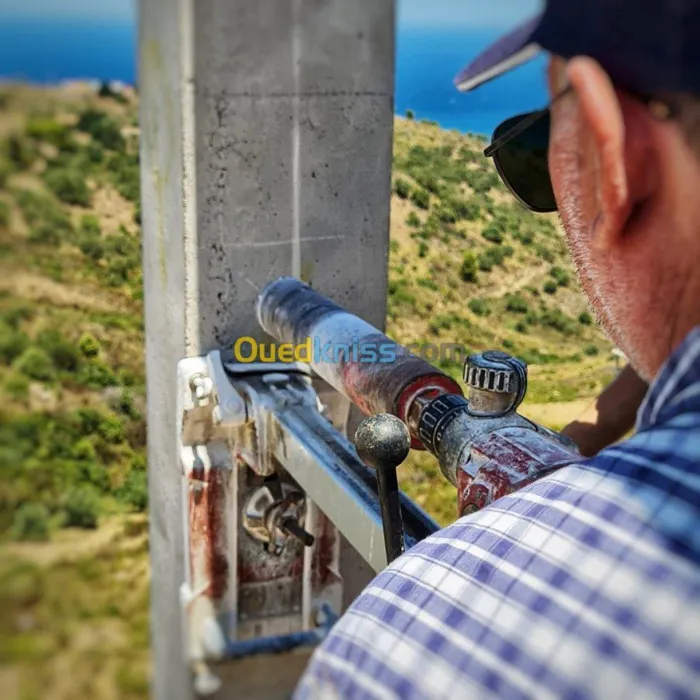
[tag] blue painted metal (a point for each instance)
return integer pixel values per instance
(283, 642)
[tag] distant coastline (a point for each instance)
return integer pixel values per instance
(426, 62)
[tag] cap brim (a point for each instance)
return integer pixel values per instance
(507, 53)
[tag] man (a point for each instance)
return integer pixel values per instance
(585, 584)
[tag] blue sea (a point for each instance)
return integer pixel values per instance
(426, 62)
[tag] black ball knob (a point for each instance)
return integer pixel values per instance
(382, 441)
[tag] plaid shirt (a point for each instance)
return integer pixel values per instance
(585, 584)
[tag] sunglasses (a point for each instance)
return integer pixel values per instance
(520, 148)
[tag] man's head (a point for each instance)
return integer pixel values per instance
(625, 169)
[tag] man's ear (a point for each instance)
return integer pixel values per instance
(603, 115)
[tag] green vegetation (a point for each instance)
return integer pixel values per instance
(421, 198)
(31, 522)
(479, 306)
(469, 269)
(68, 185)
(413, 220)
(560, 276)
(550, 287)
(104, 130)
(516, 304)
(402, 188)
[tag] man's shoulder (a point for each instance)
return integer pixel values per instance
(647, 487)
(574, 566)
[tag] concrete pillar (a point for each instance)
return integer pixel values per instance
(266, 133)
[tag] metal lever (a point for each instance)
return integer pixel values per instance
(382, 442)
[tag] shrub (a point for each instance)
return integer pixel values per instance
(111, 428)
(428, 181)
(45, 234)
(558, 320)
(94, 152)
(90, 224)
(49, 130)
(96, 375)
(413, 220)
(31, 523)
(442, 322)
(68, 185)
(516, 304)
(4, 214)
(421, 199)
(89, 238)
(466, 210)
(446, 215)
(522, 327)
(544, 253)
(125, 405)
(12, 343)
(19, 152)
(560, 276)
(422, 249)
(63, 354)
(107, 92)
(481, 181)
(491, 257)
(81, 506)
(35, 364)
(410, 114)
(479, 306)
(591, 350)
(134, 490)
(402, 188)
(102, 129)
(84, 450)
(469, 269)
(91, 247)
(39, 208)
(550, 287)
(16, 386)
(485, 263)
(15, 314)
(492, 234)
(585, 319)
(525, 237)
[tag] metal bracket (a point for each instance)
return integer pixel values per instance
(240, 426)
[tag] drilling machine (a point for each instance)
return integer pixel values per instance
(272, 489)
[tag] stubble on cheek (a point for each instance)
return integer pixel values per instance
(571, 178)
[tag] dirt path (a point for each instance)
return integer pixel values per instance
(556, 414)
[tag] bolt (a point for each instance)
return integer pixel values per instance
(201, 386)
(292, 527)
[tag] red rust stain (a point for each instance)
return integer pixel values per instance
(516, 458)
(216, 507)
(207, 503)
(323, 555)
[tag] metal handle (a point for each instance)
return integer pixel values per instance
(383, 442)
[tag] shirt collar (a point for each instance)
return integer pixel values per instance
(676, 388)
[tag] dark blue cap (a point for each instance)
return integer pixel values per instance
(646, 46)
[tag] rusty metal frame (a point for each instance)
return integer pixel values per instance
(239, 425)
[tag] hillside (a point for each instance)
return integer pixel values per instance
(467, 266)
